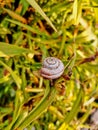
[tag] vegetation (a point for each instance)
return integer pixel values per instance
(32, 30)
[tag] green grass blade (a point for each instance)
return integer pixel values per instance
(62, 44)
(40, 11)
(39, 109)
(32, 29)
(77, 9)
(4, 79)
(4, 111)
(11, 50)
(17, 109)
(14, 76)
(73, 112)
(95, 10)
(75, 107)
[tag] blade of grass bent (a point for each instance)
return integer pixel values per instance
(42, 105)
(36, 111)
(4, 111)
(40, 11)
(73, 112)
(15, 77)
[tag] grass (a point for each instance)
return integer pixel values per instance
(31, 31)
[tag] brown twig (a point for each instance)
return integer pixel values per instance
(89, 59)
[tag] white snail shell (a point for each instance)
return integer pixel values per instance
(52, 68)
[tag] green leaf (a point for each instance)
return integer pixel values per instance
(40, 11)
(29, 28)
(17, 109)
(73, 111)
(95, 3)
(77, 9)
(4, 111)
(15, 77)
(4, 79)
(41, 106)
(25, 5)
(11, 50)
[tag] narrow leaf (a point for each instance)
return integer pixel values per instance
(77, 11)
(39, 109)
(15, 77)
(15, 15)
(73, 112)
(40, 11)
(95, 10)
(17, 109)
(11, 50)
(29, 28)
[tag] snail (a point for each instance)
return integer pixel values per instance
(52, 68)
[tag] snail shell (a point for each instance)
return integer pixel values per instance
(52, 68)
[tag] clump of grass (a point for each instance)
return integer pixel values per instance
(31, 31)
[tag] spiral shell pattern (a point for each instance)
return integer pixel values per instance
(52, 68)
